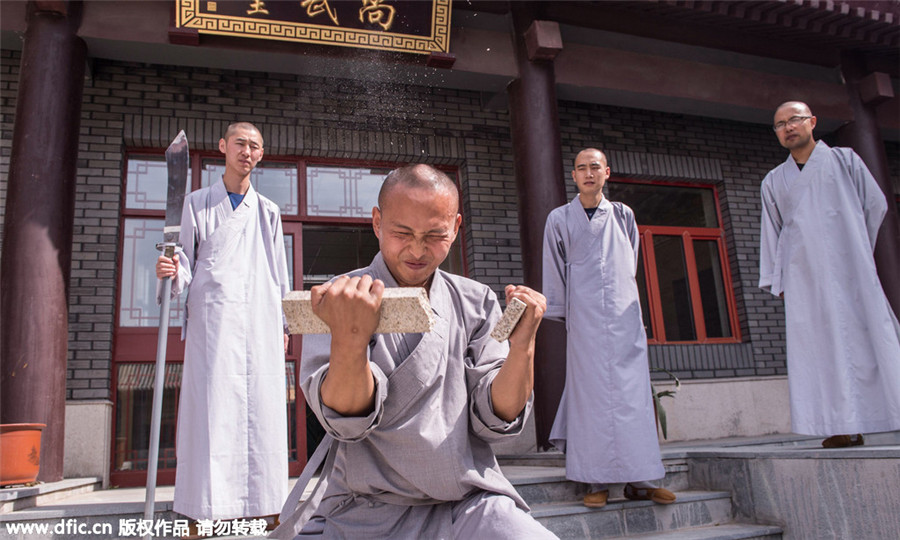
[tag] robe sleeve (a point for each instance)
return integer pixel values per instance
(633, 235)
(188, 239)
(554, 268)
(770, 230)
(871, 197)
(313, 368)
(484, 358)
(280, 262)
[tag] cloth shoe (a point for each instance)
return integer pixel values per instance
(657, 495)
(596, 499)
(843, 441)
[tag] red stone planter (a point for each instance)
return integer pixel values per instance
(20, 453)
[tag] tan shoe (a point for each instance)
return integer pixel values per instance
(843, 441)
(596, 499)
(657, 495)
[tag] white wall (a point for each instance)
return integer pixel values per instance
(718, 408)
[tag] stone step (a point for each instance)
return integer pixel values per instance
(539, 484)
(624, 518)
(97, 522)
(728, 531)
(15, 498)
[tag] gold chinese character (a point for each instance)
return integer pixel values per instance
(317, 7)
(379, 13)
(211, 6)
(257, 6)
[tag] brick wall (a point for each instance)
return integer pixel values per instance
(130, 105)
(9, 85)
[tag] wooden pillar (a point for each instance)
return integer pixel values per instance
(537, 157)
(37, 229)
(866, 91)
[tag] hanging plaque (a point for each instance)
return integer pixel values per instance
(415, 26)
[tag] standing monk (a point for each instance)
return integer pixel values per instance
(413, 415)
(605, 423)
(231, 443)
(821, 211)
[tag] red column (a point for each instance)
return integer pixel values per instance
(537, 155)
(864, 137)
(37, 243)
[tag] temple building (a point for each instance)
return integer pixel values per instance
(500, 95)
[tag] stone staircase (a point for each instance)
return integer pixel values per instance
(777, 487)
(556, 503)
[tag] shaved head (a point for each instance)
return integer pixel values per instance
(229, 131)
(799, 106)
(591, 150)
(418, 177)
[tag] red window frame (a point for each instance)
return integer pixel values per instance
(138, 344)
(688, 235)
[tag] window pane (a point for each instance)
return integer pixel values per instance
(330, 251)
(146, 183)
(275, 181)
(642, 292)
(712, 288)
(134, 408)
(674, 291)
(454, 261)
(137, 306)
(342, 191)
(667, 205)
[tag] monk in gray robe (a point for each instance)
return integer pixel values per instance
(821, 211)
(231, 442)
(413, 415)
(605, 423)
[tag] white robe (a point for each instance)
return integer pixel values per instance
(231, 442)
(605, 422)
(420, 465)
(818, 233)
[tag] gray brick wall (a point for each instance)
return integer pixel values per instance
(9, 85)
(132, 105)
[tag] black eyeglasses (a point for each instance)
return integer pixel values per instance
(793, 121)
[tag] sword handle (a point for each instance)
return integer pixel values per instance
(168, 248)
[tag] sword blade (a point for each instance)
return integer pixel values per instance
(178, 162)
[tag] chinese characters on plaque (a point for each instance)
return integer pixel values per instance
(414, 26)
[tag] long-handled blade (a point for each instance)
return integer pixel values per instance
(177, 160)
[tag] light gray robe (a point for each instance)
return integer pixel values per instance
(231, 442)
(420, 465)
(605, 422)
(818, 232)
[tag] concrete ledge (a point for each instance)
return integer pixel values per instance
(18, 498)
(812, 493)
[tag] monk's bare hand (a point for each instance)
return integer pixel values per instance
(513, 384)
(350, 307)
(535, 306)
(166, 267)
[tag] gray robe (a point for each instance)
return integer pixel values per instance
(231, 443)
(420, 465)
(818, 232)
(605, 422)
